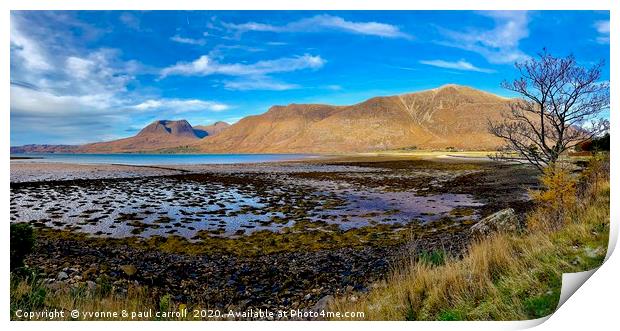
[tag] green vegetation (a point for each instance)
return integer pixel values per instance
(433, 258)
(507, 276)
(31, 294)
(186, 149)
(22, 243)
(596, 144)
(303, 235)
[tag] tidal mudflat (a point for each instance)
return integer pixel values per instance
(280, 235)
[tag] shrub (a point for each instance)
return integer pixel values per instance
(433, 258)
(27, 293)
(559, 191)
(22, 244)
(596, 171)
(164, 303)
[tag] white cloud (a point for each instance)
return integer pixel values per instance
(333, 87)
(79, 67)
(189, 41)
(254, 76)
(204, 66)
(457, 65)
(253, 26)
(27, 49)
(59, 92)
(97, 72)
(68, 119)
(325, 22)
(62, 93)
(181, 105)
(25, 101)
(602, 27)
(131, 21)
(499, 44)
(258, 83)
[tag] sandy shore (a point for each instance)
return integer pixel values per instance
(25, 170)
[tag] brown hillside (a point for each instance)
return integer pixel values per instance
(157, 135)
(44, 149)
(449, 116)
(210, 130)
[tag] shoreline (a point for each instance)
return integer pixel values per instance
(26, 170)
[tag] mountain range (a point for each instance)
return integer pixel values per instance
(450, 116)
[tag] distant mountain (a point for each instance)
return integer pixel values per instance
(157, 135)
(449, 116)
(168, 129)
(210, 130)
(32, 148)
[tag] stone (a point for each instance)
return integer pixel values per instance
(129, 269)
(62, 276)
(504, 220)
(323, 303)
(91, 285)
(89, 272)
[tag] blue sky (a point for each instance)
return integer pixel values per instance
(88, 76)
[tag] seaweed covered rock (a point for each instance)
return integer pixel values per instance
(129, 269)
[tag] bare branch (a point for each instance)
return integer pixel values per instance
(559, 108)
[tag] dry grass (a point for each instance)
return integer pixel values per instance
(506, 277)
(32, 295)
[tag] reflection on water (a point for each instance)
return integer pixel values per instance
(370, 208)
(165, 206)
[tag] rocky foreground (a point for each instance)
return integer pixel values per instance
(301, 267)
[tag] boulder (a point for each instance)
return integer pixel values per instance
(129, 269)
(92, 271)
(504, 220)
(91, 285)
(62, 276)
(323, 303)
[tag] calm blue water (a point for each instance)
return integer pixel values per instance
(152, 159)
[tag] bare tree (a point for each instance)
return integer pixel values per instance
(559, 107)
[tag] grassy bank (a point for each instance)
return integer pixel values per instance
(505, 277)
(31, 294)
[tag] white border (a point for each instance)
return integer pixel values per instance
(594, 305)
